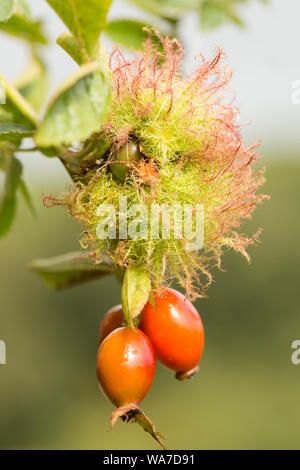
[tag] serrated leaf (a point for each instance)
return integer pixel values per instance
(16, 110)
(8, 201)
(70, 269)
(77, 109)
(70, 44)
(13, 132)
(85, 19)
(135, 292)
(33, 83)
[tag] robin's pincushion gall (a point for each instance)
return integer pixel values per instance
(169, 139)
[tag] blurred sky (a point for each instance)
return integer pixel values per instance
(264, 57)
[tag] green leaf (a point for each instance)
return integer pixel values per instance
(16, 109)
(13, 175)
(77, 109)
(33, 83)
(24, 7)
(214, 13)
(211, 16)
(15, 20)
(8, 202)
(24, 29)
(135, 292)
(6, 9)
(14, 132)
(69, 269)
(49, 152)
(169, 9)
(70, 44)
(7, 214)
(85, 19)
(129, 33)
(26, 193)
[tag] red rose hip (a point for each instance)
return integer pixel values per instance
(176, 332)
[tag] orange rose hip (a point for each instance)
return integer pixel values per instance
(125, 366)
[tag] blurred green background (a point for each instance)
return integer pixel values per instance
(247, 392)
(246, 395)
